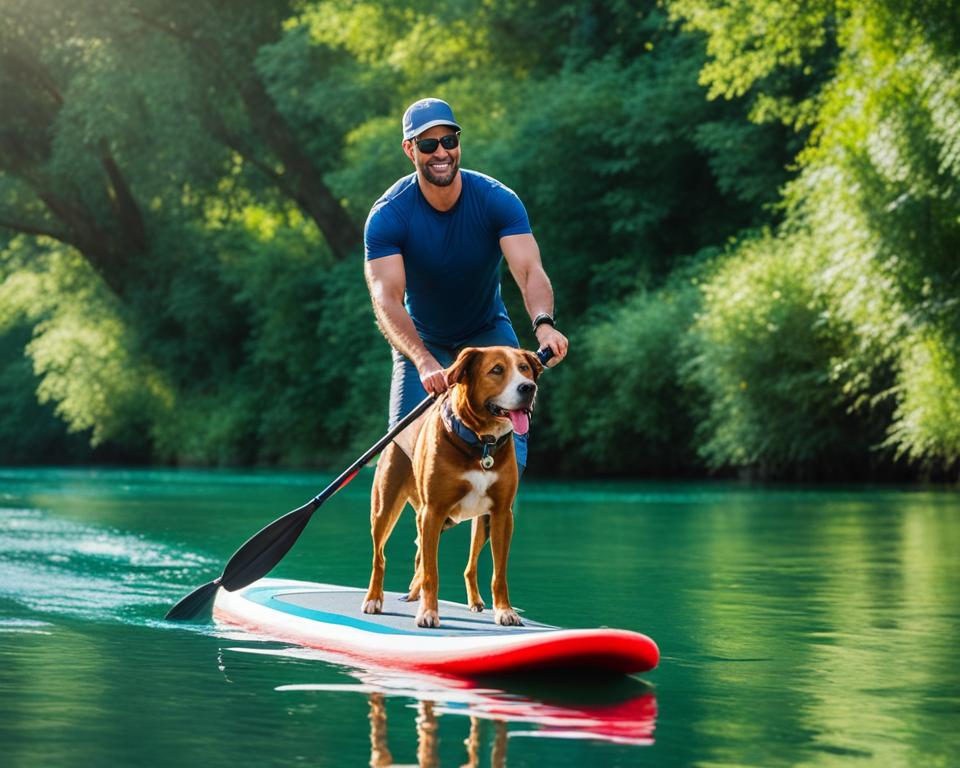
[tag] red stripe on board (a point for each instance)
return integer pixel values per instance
(610, 650)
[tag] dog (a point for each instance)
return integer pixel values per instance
(463, 467)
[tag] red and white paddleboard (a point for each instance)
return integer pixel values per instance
(328, 617)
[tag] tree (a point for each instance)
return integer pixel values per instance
(875, 203)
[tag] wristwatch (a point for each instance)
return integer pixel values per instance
(544, 318)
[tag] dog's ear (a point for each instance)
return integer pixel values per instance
(459, 368)
(535, 363)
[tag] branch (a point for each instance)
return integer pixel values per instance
(25, 228)
(125, 205)
(245, 151)
(170, 28)
(31, 69)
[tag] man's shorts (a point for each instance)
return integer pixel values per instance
(406, 391)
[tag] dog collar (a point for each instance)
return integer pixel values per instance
(488, 444)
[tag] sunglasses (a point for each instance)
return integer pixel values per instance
(429, 146)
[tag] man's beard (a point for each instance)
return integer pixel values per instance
(440, 181)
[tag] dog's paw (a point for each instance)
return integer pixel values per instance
(427, 618)
(477, 606)
(507, 617)
(413, 591)
(372, 606)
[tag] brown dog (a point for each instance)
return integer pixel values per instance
(464, 467)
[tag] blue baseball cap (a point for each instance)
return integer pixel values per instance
(424, 114)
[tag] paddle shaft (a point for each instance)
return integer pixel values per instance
(350, 472)
(262, 551)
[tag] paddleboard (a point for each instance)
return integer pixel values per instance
(328, 617)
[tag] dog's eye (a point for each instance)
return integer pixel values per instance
(496, 370)
(523, 367)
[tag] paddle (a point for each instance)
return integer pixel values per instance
(262, 551)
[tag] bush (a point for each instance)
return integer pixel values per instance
(926, 424)
(762, 351)
(616, 405)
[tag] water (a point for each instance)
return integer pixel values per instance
(813, 628)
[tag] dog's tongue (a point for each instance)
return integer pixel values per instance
(521, 422)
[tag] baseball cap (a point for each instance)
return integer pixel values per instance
(424, 114)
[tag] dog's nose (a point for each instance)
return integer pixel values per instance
(527, 389)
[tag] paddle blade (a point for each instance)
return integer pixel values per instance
(254, 560)
(194, 604)
(266, 548)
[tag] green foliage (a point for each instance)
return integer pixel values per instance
(763, 349)
(926, 425)
(30, 433)
(875, 205)
(770, 47)
(182, 189)
(618, 406)
(86, 359)
(311, 385)
(621, 166)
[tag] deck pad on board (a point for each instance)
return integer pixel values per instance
(341, 605)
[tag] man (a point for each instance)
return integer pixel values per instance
(433, 246)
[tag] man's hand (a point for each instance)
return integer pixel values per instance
(432, 376)
(548, 336)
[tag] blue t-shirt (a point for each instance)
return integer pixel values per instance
(451, 258)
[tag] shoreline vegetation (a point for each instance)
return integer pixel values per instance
(750, 211)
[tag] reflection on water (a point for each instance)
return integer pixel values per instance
(813, 628)
(614, 709)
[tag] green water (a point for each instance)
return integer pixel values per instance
(798, 628)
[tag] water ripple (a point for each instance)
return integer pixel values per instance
(52, 565)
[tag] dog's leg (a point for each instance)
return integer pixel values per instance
(432, 522)
(380, 756)
(498, 752)
(392, 486)
(413, 591)
(479, 533)
(427, 737)
(472, 743)
(501, 531)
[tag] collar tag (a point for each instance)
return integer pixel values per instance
(486, 456)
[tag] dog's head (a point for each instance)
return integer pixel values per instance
(495, 385)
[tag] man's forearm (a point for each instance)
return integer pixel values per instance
(395, 323)
(523, 258)
(398, 328)
(537, 293)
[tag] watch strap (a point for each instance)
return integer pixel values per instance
(544, 318)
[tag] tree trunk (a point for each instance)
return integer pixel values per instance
(301, 178)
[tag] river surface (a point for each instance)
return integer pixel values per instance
(797, 628)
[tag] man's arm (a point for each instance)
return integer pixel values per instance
(387, 281)
(523, 258)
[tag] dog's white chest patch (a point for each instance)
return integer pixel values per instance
(477, 501)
